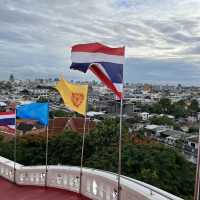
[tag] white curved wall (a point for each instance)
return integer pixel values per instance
(97, 184)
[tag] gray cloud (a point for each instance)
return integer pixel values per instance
(39, 34)
(170, 71)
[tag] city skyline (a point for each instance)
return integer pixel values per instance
(49, 79)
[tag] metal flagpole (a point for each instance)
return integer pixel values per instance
(82, 149)
(82, 153)
(197, 180)
(15, 150)
(120, 149)
(47, 148)
(47, 142)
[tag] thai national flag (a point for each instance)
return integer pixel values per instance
(105, 62)
(8, 119)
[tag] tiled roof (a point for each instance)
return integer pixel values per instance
(77, 124)
(57, 125)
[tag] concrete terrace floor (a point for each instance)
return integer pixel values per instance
(10, 191)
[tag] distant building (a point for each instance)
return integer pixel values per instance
(147, 88)
(114, 107)
(171, 136)
(144, 116)
(172, 140)
(11, 78)
(155, 131)
(3, 106)
(191, 143)
(198, 116)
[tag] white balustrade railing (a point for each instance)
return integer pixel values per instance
(97, 184)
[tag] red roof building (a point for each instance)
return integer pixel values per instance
(77, 125)
(57, 125)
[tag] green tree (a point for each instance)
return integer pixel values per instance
(61, 113)
(193, 130)
(194, 106)
(164, 120)
(134, 119)
(25, 127)
(156, 108)
(152, 163)
(181, 103)
(178, 111)
(158, 165)
(42, 100)
(66, 149)
(165, 104)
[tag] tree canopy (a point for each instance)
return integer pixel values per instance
(177, 109)
(164, 120)
(151, 163)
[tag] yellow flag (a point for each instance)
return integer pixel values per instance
(73, 95)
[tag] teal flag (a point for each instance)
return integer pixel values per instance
(34, 111)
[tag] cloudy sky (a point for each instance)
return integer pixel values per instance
(162, 37)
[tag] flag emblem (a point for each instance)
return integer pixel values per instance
(77, 99)
(73, 95)
(35, 111)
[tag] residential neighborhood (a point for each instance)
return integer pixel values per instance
(166, 114)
